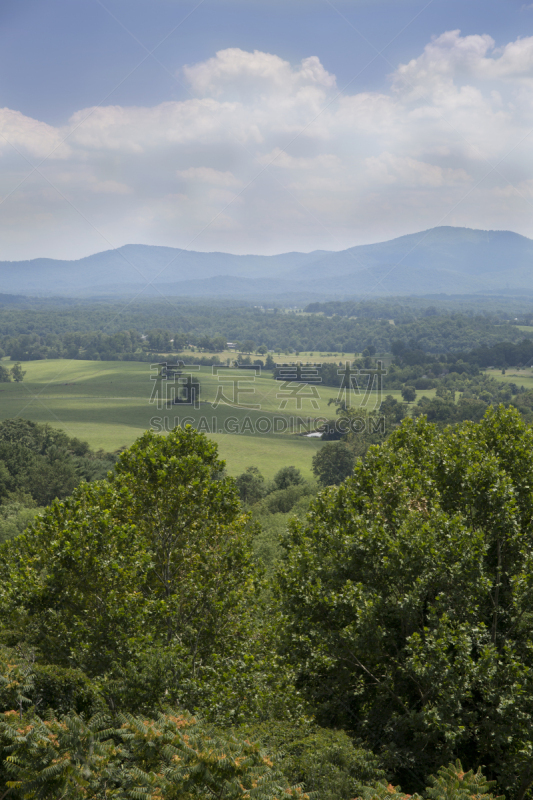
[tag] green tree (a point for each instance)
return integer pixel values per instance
(17, 511)
(446, 394)
(251, 485)
(179, 341)
(148, 581)
(392, 409)
(409, 394)
(17, 373)
(408, 597)
(287, 476)
(218, 344)
(450, 783)
(159, 340)
(333, 463)
(44, 462)
(323, 761)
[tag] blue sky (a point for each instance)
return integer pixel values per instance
(348, 126)
(57, 57)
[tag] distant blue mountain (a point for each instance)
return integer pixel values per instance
(441, 260)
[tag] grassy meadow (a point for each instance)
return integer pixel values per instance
(279, 357)
(107, 403)
(522, 377)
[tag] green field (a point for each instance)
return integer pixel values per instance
(279, 356)
(522, 377)
(107, 403)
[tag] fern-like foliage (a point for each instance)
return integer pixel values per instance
(16, 679)
(171, 756)
(386, 791)
(450, 783)
(178, 758)
(50, 758)
(453, 783)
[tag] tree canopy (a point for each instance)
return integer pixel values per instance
(333, 463)
(388, 640)
(408, 597)
(147, 581)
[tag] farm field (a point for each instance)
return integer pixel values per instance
(522, 377)
(278, 356)
(107, 403)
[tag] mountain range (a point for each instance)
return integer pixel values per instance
(443, 260)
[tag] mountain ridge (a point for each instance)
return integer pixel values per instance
(445, 260)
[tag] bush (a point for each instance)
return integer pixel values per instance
(324, 761)
(283, 500)
(167, 755)
(288, 476)
(333, 463)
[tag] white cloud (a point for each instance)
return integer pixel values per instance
(29, 137)
(279, 158)
(388, 168)
(208, 175)
(452, 58)
(252, 75)
(266, 156)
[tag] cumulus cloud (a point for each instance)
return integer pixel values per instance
(29, 137)
(265, 155)
(253, 75)
(475, 58)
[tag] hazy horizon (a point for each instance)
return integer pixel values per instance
(277, 253)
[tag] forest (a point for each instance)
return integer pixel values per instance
(155, 643)
(136, 331)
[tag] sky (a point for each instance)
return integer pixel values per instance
(246, 126)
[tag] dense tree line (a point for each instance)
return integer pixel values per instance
(144, 653)
(39, 463)
(108, 332)
(501, 354)
(499, 309)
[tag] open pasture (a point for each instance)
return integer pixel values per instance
(279, 356)
(522, 377)
(108, 405)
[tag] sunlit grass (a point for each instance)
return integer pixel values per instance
(108, 404)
